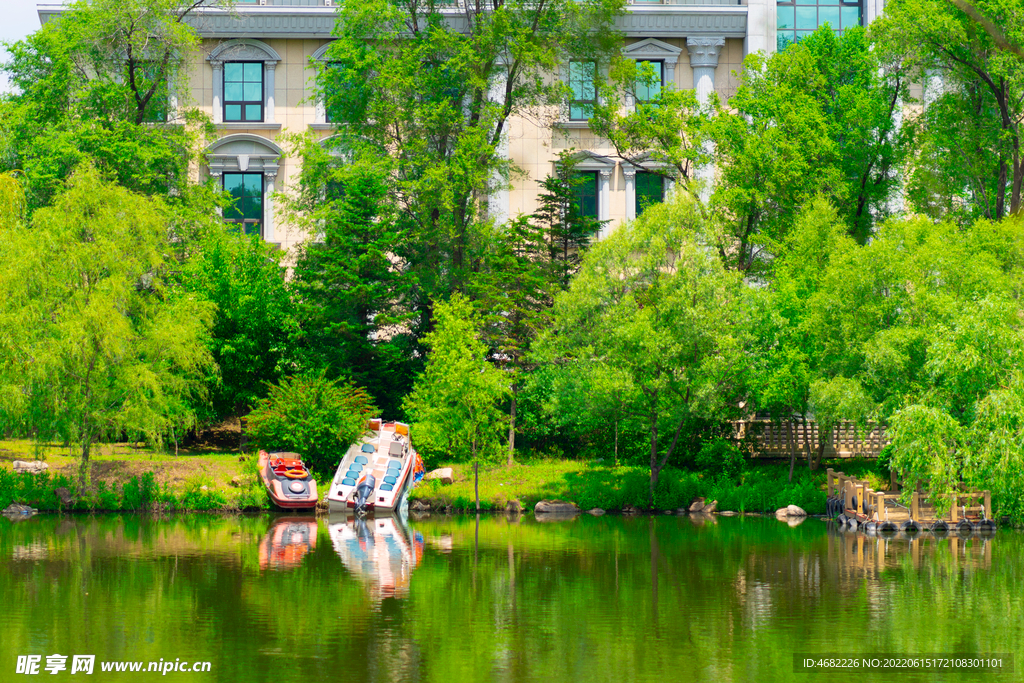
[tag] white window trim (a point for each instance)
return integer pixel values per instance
(563, 112)
(590, 161)
(318, 59)
(654, 50)
(629, 172)
(262, 155)
(244, 50)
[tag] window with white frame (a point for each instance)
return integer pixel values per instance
(582, 75)
(243, 83)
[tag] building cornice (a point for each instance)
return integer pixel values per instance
(266, 21)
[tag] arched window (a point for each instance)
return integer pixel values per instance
(247, 166)
(243, 83)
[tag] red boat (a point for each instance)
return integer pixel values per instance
(289, 482)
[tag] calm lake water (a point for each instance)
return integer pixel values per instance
(451, 599)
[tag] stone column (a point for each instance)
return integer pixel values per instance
(218, 90)
(268, 91)
(604, 197)
(704, 54)
(269, 176)
(498, 205)
(629, 173)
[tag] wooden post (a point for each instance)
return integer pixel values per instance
(988, 504)
(829, 475)
(915, 504)
(861, 490)
(953, 511)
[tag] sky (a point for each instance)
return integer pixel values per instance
(18, 18)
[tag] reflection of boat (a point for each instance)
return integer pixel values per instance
(377, 470)
(287, 542)
(382, 551)
(288, 481)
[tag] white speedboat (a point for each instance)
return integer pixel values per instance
(377, 470)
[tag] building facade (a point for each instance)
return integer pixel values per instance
(254, 78)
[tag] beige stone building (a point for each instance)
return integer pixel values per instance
(253, 78)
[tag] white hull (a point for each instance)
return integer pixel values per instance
(388, 455)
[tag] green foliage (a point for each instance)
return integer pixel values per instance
(969, 162)
(139, 494)
(351, 295)
(313, 416)
(200, 495)
(658, 310)
(454, 404)
(254, 323)
(430, 109)
(35, 490)
(720, 458)
(104, 346)
(87, 88)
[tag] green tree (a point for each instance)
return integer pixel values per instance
(430, 96)
(352, 290)
(654, 304)
(513, 293)
(970, 151)
(455, 403)
(96, 343)
(90, 86)
(314, 416)
(254, 325)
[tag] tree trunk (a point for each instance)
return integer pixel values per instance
(83, 466)
(792, 445)
(616, 441)
(512, 428)
(654, 457)
(476, 483)
(812, 464)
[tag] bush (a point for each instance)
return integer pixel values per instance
(139, 494)
(720, 458)
(36, 490)
(313, 416)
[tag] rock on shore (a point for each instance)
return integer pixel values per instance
(30, 466)
(444, 474)
(555, 507)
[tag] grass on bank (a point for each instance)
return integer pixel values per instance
(762, 487)
(127, 477)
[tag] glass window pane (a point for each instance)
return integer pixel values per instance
(786, 18)
(580, 111)
(829, 14)
(828, 2)
(232, 92)
(648, 89)
(783, 39)
(253, 94)
(807, 2)
(850, 16)
(807, 17)
(253, 112)
(650, 189)
(586, 193)
(232, 71)
(253, 72)
(233, 112)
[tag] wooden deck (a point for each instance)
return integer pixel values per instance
(861, 502)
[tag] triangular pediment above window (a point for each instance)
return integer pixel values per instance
(650, 49)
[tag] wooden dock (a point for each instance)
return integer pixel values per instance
(859, 503)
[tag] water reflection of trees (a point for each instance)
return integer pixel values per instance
(508, 599)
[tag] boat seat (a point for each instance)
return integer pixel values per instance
(356, 466)
(367, 448)
(395, 448)
(348, 482)
(361, 459)
(352, 475)
(387, 487)
(390, 479)
(396, 464)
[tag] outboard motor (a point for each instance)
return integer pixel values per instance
(364, 491)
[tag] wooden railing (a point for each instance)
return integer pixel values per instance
(861, 500)
(773, 439)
